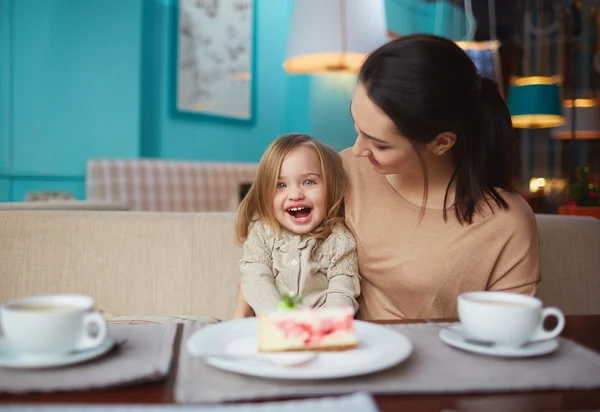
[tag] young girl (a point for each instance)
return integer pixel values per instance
(291, 226)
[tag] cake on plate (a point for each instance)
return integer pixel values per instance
(290, 328)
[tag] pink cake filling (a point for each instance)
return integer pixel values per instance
(314, 334)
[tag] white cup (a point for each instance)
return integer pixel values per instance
(506, 319)
(52, 325)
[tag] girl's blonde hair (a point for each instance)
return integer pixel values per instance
(258, 203)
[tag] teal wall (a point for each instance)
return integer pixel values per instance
(418, 16)
(320, 106)
(95, 78)
(69, 90)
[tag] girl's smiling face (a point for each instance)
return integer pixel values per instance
(299, 203)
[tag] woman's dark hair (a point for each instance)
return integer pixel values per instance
(428, 85)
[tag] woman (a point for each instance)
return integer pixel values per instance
(431, 199)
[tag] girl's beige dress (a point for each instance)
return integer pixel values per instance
(324, 272)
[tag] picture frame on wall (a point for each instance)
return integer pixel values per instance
(215, 69)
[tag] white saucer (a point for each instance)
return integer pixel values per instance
(10, 359)
(455, 337)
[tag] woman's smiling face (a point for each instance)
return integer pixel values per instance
(378, 138)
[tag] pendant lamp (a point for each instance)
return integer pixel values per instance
(586, 120)
(582, 112)
(534, 102)
(334, 35)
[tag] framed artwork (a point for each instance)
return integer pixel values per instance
(215, 58)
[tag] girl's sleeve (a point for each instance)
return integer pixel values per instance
(343, 276)
(258, 282)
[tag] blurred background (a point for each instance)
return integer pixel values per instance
(169, 104)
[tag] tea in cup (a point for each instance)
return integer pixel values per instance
(506, 319)
(52, 325)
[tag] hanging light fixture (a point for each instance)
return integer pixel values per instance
(582, 111)
(534, 102)
(468, 42)
(481, 51)
(587, 124)
(334, 35)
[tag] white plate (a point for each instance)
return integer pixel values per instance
(455, 336)
(10, 359)
(379, 348)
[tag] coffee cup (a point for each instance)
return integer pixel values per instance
(506, 319)
(52, 325)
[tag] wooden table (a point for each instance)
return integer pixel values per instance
(582, 329)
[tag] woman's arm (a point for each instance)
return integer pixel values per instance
(343, 276)
(242, 309)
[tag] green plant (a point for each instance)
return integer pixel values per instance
(583, 192)
(289, 302)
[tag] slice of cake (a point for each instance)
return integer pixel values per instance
(293, 329)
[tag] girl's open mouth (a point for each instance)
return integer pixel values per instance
(299, 214)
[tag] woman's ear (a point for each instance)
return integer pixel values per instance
(442, 143)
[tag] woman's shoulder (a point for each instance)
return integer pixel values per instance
(358, 169)
(517, 217)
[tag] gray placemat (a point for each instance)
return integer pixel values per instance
(143, 354)
(359, 402)
(432, 368)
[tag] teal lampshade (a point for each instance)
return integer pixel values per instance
(534, 102)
